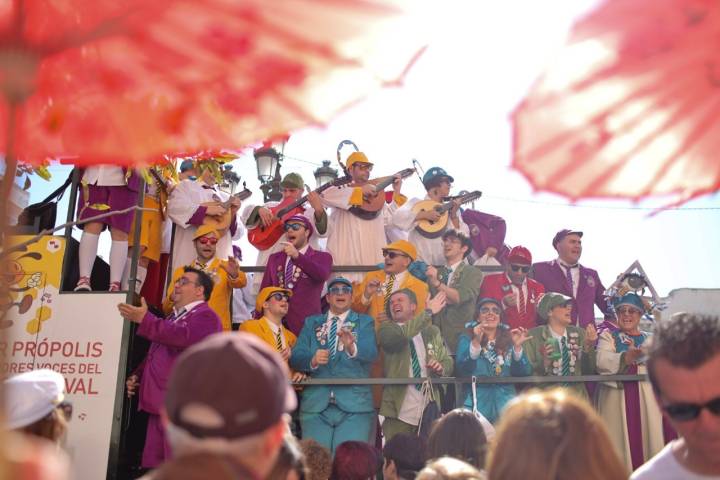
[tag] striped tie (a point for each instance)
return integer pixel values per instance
(417, 372)
(565, 358)
(389, 289)
(332, 336)
(278, 340)
(289, 273)
(569, 279)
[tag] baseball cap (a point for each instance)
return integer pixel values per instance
(402, 246)
(31, 396)
(520, 254)
(230, 385)
(435, 174)
(265, 293)
(356, 157)
(186, 165)
(549, 301)
(564, 233)
(342, 280)
(301, 219)
(293, 180)
(203, 230)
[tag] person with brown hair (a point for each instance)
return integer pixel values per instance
(553, 435)
(317, 459)
(458, 434)
(290, 464)
(404, 455)
(356, 461)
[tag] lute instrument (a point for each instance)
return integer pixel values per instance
(221, 223)
(429, 229)
(373, 204)
(263, 238)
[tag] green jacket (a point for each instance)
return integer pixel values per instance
(585, 364)
(394, 341)
(452, 319)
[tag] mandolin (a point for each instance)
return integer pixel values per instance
(222, 222)
(372, 204)
(263, 238)
(429, 229)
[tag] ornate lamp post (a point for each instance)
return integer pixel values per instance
(268, 161)
(325, 173)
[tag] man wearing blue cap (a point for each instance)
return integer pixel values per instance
(565, 275)
(339, 344)
(437, 183)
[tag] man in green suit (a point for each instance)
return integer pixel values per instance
(460, 282)
(558, 348)
(413, 347)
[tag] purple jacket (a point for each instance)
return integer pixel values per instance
(311, 271)
(169, 339)
(589, 291)
(486, 230)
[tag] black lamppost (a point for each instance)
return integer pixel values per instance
(325, 173)
(268, 166)
(230, 179)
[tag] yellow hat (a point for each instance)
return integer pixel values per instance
(356, 157)
(403, 246)
(203, 230)
(265, 294)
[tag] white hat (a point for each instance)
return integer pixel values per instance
(31, 396)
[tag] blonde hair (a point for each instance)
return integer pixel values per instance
(552, 435)
(449, 468)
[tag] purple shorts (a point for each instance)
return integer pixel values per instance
(117, 197)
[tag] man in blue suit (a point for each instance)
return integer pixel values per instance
(339, 344)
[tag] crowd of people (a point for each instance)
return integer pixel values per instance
(223, 402)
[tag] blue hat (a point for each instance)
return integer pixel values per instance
(435, 174)
(632, 299)
(186, 165)
(472, 323)
(342, 280)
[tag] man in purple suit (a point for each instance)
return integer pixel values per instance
(191, 321)
(300, 268)
(565, 275)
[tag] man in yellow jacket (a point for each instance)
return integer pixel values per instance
(226, 274)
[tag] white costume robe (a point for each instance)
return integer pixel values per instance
(430, 250)
(610, 399)
(352, 240)
(263, 255)
(184, 201)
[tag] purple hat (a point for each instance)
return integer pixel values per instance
(564, 233)
(301, 219)
(230, 385)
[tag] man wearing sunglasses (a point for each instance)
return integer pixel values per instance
(517, 293)
(684, 369)
(191, 321)
(339, 344)
(225, 274)
(353, 240)
(301, 269)
(293, 188)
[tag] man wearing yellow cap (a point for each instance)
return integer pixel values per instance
(273, 303)
(226, 274)
(351, 239)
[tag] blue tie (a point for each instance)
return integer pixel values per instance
(332, 337)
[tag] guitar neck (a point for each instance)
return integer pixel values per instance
(300, 201)
(445, 207)
(383, 184)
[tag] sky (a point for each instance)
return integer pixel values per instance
(453, 112)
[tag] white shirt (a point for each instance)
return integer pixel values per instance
(185, 310)
(105, 175)
(574, 273)
(558, 337)
(243, 301)
(453, 269)
(275, 329)
(664, 466)
(414, 401)
(430, 250)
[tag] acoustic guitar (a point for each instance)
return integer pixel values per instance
(163, 193)
(373, 204)
(263, 238)
(221, 223)
(429, 229)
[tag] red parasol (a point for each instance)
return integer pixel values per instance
(630, 107)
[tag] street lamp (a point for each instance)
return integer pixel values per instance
(230, 179)
(325, 173)
(268, 166)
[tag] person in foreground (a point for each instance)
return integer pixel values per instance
(552, 435)
(210, 409)
(448, 468)
(684, 370)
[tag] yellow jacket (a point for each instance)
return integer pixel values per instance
(222, 293)
(261, 329)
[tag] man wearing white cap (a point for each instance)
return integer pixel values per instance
(35, 404)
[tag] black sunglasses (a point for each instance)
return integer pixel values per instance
(517, 268)
(280, 296)
(391, 255)
(293, 226)
(684, 412)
